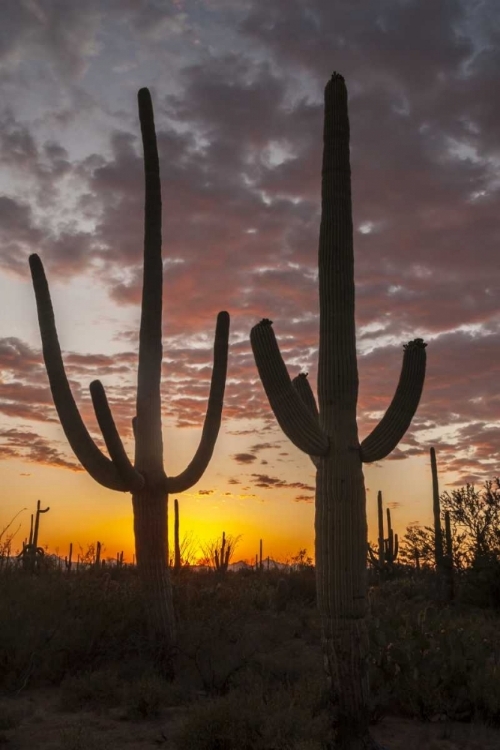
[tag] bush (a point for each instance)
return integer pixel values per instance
(96, 690)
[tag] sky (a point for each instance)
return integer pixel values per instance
(237, 87)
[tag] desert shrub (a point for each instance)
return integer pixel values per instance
(146, 697)
(218, 643)
(82, 737)
(92, 690)
(426, 659)
(252, 719)
(55, 624)
(10, 717)
(480, 584)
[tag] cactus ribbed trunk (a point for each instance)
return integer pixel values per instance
(329, 435)
(341, 527)
(150, 503)
(341, 533)
(151, 553)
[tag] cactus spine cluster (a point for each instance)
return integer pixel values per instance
(328, 433)
(387, 548)
(145, 478)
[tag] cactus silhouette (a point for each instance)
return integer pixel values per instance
(222, 555)
(177, 546)
(145, 478)
(436, 508)
(387, 548)
(32, 554)
(443, 558)
(329, 434)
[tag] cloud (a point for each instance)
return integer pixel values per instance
(244, 458)
(304, 498)
(28, 446)
(240, 137)
(268, 482)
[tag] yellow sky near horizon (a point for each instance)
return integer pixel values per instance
(82, 512)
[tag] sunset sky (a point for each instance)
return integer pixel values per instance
(237, 87)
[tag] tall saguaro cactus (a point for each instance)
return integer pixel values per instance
(329, 434)
(145, 478)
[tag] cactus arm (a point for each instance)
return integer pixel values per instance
(303, 388)
(292, 415)
(96, 463)
(131, 477)
(199, 463)
(393, 425)
(301, 385)
(149, 441)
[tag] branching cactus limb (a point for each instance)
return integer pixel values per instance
(303, 388)
(397, 419)
(332, 438)
(294, 417)
(92, 459)
(195, 469)
(145, 478)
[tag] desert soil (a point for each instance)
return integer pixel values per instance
(44, 726)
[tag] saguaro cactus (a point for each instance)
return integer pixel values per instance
(222, 555)
(31, 553)
(177, 546)
(443, 559)
(146, 478)
(330, 434)
(448, 560)
(68, 560)
(436, 508)
(387, 548)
